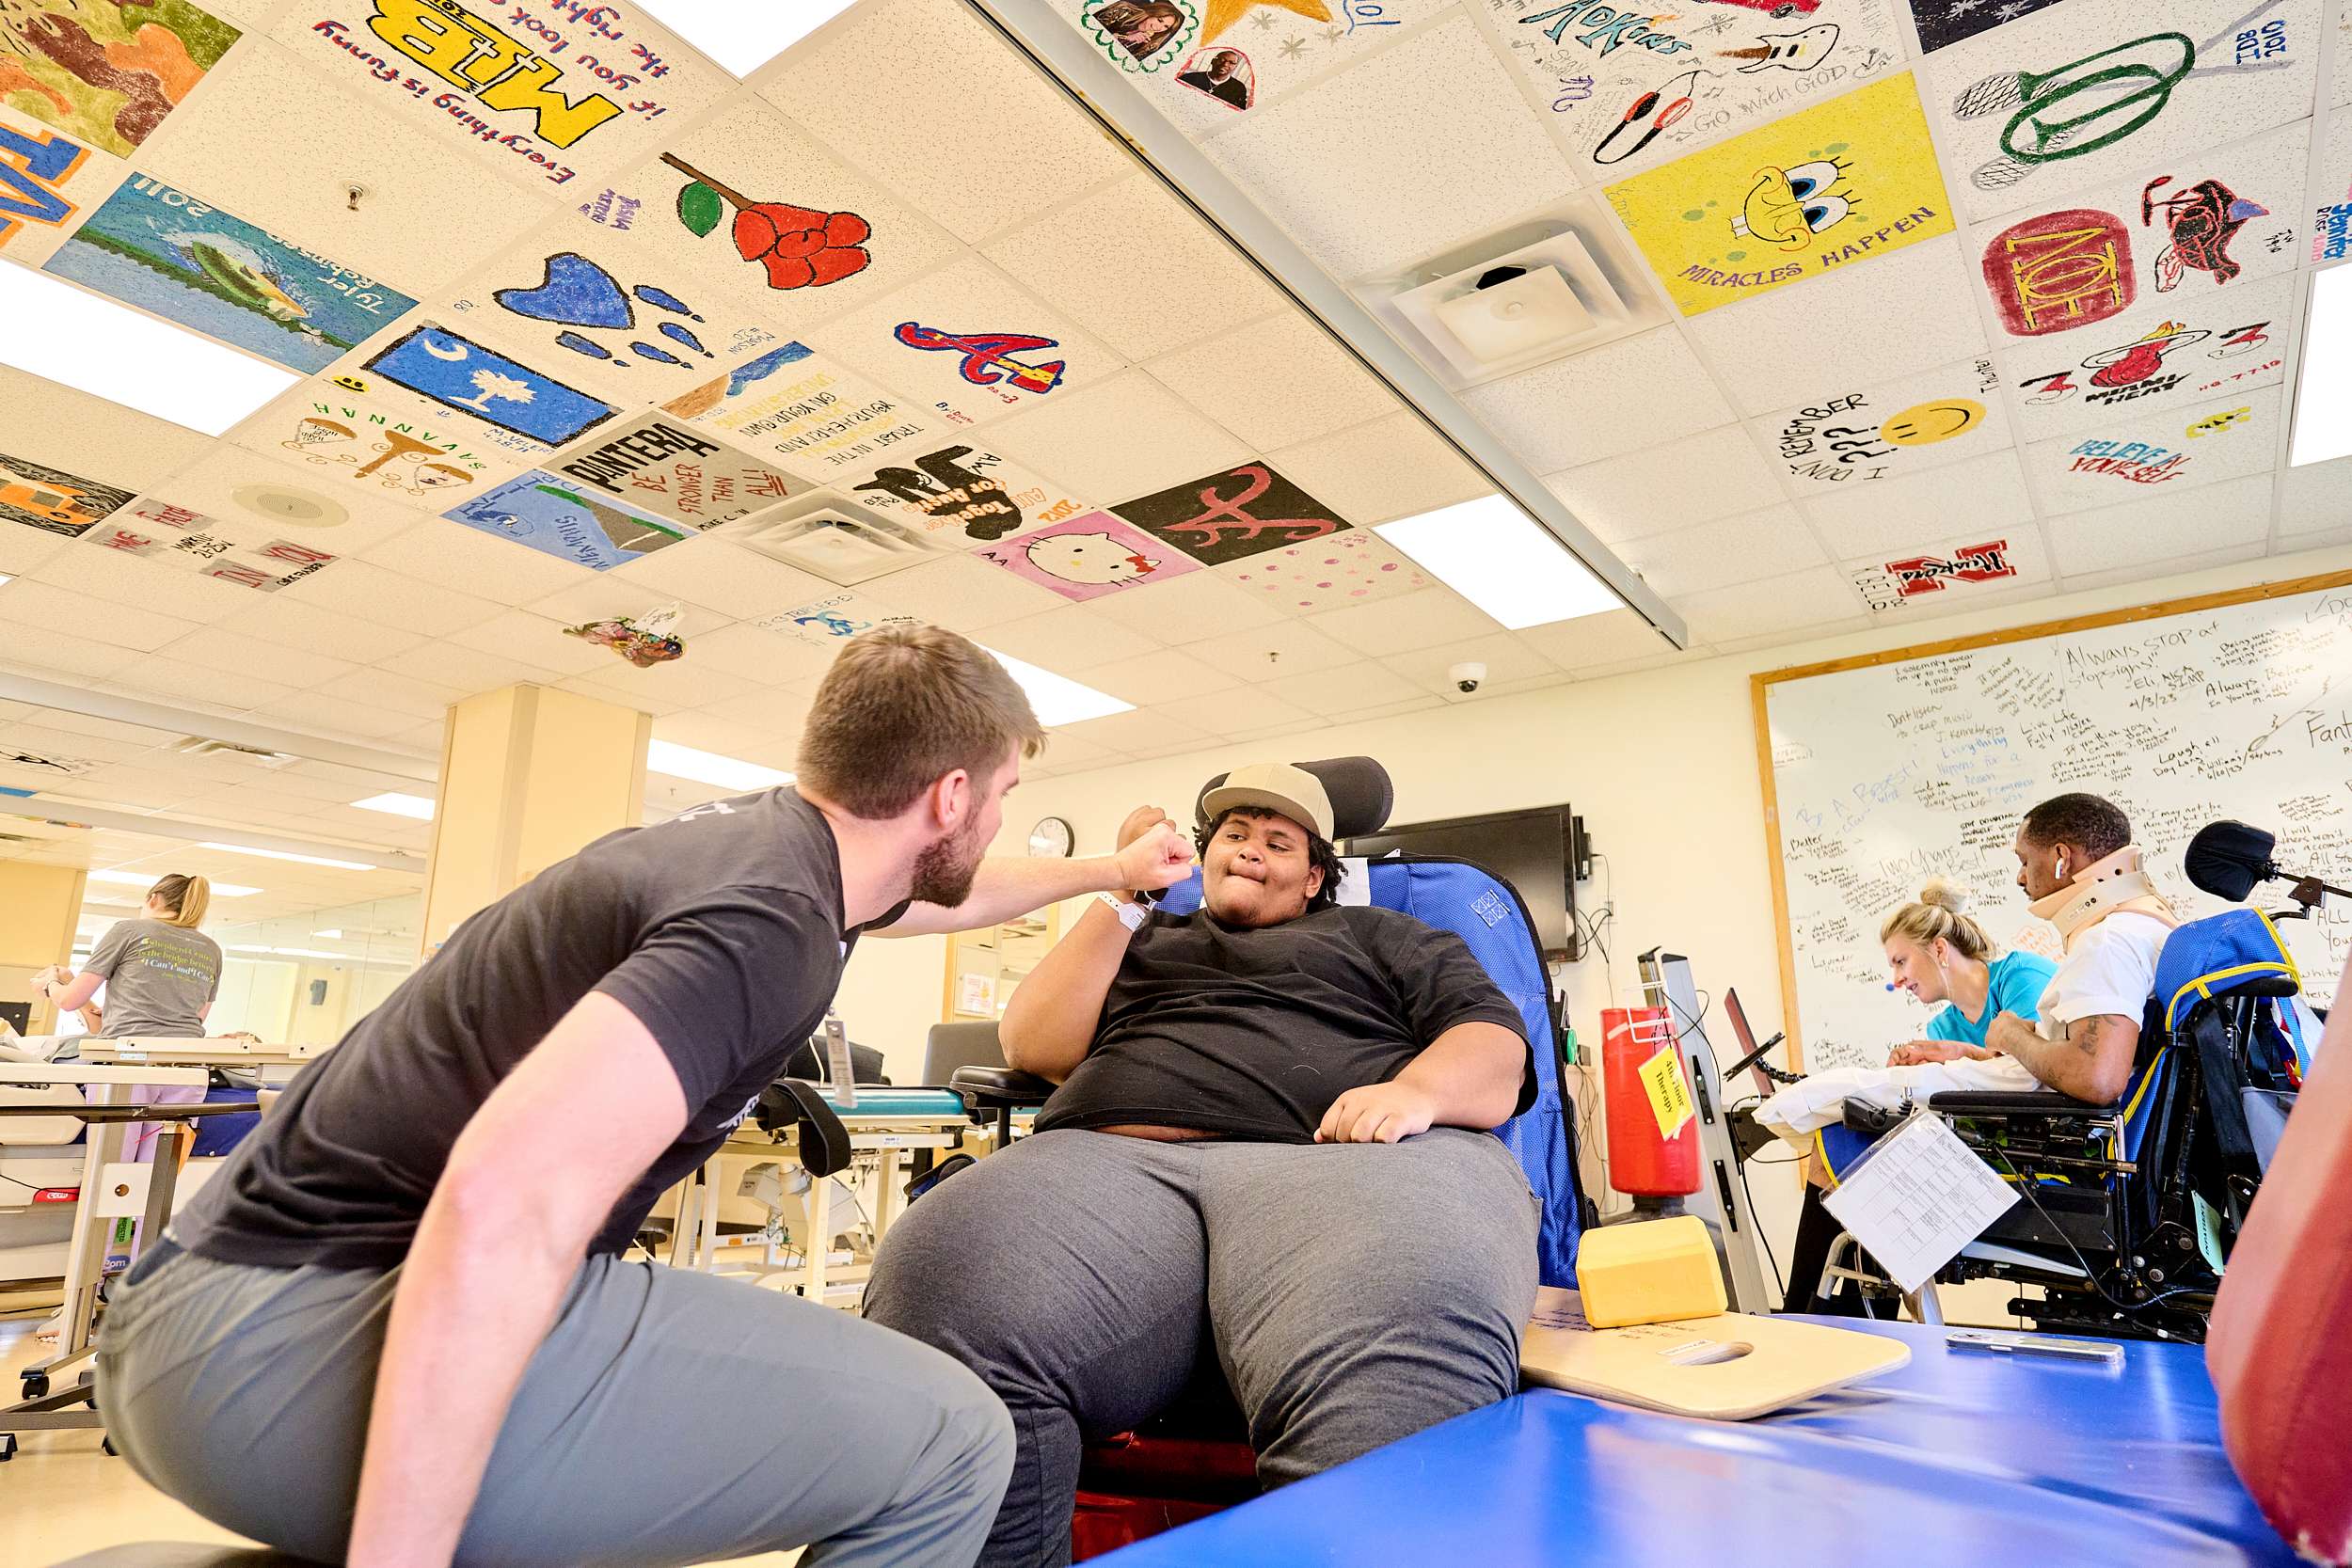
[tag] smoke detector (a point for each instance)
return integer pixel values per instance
(1550, 286)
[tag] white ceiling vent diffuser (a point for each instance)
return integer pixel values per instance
(825, 532)
(197, 746)
(1543, 289)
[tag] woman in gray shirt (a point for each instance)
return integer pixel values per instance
(161, 975)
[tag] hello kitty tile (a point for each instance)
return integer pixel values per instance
(1086, 557)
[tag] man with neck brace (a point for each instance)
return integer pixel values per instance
(2078, 864)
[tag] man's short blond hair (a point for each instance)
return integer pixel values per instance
(901, 708)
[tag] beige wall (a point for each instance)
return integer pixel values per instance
(1661, 764)
(38, 905)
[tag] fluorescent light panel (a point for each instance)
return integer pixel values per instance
(684, 762)
(397, 804)
(286, 855)
(1058, 699)
(1503, 560)
(141, 878)
(2323, 393)
(92, 344)
(741, 36)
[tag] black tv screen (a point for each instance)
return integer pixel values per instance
(1533, 850)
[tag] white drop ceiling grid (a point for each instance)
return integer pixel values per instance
(1376, 139)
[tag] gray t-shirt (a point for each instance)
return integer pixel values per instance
(159, 978)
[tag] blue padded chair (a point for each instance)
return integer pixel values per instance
(1191, 1461)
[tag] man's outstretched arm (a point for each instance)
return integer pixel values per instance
(1010, 886)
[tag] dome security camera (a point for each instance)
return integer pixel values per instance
(1467, 677)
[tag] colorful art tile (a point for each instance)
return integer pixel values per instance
(1351, 568)
(820, 418)
(36, 167)
(1088, 556)
(2136, 452)
(53, 501)
(559, 517)
(104, 72)
(1934, 577)
(670, 468)
(639, 340)
(1825, 188)
(2230, 344)
(175, 536)
(436, 363)
(1624, 92)
(2074, 95)
(828, 622)
(1243, 511)
(959, 492)
(415, 459)
(183, 258)
(1889, 431)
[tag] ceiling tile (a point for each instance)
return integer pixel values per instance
(1694, 480)
(641, 701)
(452, 664)
(779, 712)
(734, 582)
(2126, 455)
(1771, 543)
(1274, 383)
(1580, 646)
(683, 682)
(523, 638)
(442, 551)
(1176, 281)
(425, 215)
(1770, 606)
(1348, 689)
(754, 654)
(1016, 147)
(2151, 530)
(24, 548)
(1847, 436)
(1148, 679)
(2140, 572)
(215, 649)
(220, 689)
(1095, 442)
(381, 690)
(320, 714)
(1125, 732)
(1191, 607)
(707, 732)
(1391, 468)
(2317, 496)
(1630, 394)
(607, 594)
(1399, 625)
(1237, 710)
(257, 499)
(26, 604)
(1361, 179)
(1985, 493)
(60, 428)
(1067, 753)
(1900, 314)
(1291, 648)
(965, 594)
(139, 583)
(280, 618)
(1339, 572)
(1070, 638)
(1511, 665)
(372, 593)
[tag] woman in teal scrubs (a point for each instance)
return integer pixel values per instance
(1939, 954)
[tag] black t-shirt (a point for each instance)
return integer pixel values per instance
(1254, 1034)
(721, 929)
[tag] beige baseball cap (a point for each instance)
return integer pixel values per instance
(1293, 791)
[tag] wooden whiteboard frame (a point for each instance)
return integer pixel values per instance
(1761, 683)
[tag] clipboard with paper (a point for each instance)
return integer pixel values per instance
(1916, 1197)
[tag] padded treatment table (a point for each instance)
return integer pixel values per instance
(1962, 1458)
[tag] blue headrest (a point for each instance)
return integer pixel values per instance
(2237, 950)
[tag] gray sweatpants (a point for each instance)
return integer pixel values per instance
(669, 1418)
(1352, 1293)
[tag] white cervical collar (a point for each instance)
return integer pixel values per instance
(2100, 890)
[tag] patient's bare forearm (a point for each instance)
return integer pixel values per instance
(2092, 1062)
(1473, 1071)
(1049, 1024)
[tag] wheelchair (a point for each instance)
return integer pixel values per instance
(1193, 1460)
(2128, 1211)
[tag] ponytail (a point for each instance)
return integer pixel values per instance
(187, 899)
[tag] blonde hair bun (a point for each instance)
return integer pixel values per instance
(1945, 894)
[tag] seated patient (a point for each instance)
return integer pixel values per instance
(1270, 1145)
(2078, 865)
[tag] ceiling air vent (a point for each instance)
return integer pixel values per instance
(1542, 288)
(824, 532)
(197, 746)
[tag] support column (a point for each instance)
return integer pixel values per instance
(528, 774)
(38, 905)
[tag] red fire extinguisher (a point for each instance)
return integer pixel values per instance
(1644, 1159)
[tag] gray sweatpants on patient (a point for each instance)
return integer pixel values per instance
(1352, 1294)
(669, 1418)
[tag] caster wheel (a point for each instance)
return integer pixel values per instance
(36, 1384)
(106, 1445)
(7, 1447)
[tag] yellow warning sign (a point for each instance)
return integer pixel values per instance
(1669, 1098)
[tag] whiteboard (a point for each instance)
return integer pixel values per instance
(1908, 768)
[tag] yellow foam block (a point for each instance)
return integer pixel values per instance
(1650, 1272)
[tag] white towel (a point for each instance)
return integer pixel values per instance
(1819, 1099)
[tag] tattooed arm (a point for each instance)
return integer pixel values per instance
(2091, 1061)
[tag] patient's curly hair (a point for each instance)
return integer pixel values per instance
(1320, 854)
